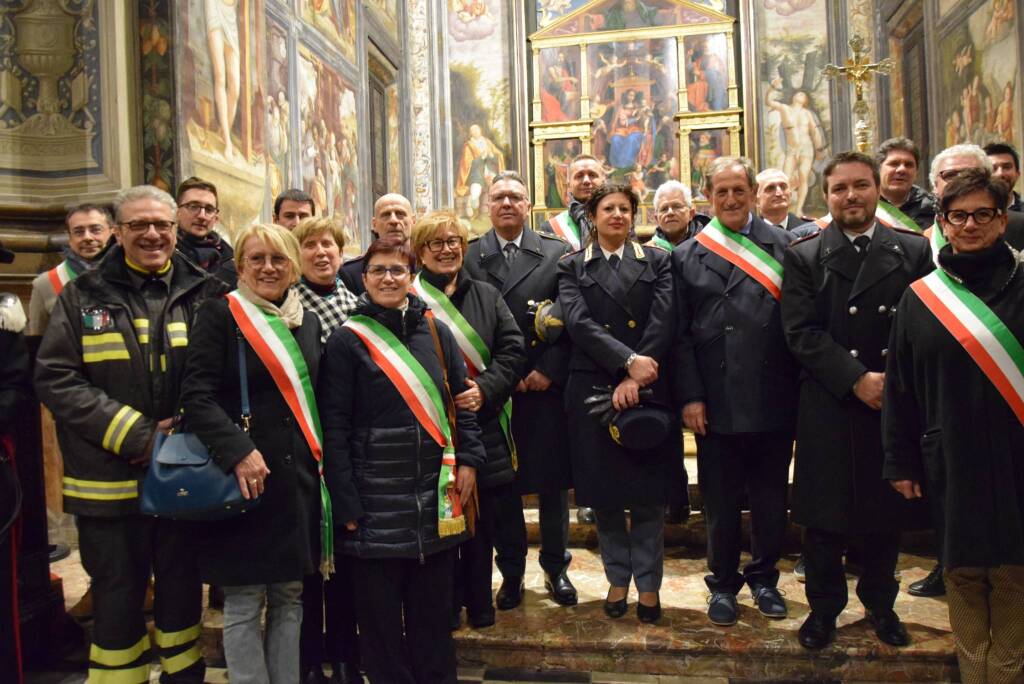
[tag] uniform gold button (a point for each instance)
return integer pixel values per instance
(883, 309)
(631, 324)
(533, 343)
(854, 353)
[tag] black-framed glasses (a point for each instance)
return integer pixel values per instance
(162, 227)
(437, 245)
(983, 216)
(196, 207)
(396, 272)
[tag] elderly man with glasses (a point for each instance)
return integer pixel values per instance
(198, 241)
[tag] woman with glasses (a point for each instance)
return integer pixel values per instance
(492, 346)
(401, 462)
(261, 556)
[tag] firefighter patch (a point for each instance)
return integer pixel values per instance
(97, 319)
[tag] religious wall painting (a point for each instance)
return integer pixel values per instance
(328, 144)
(335, 20)
(622, 15)
(394, 139)
(156, 69)
(278, 107)
(978, 98)
(794, 115)
(946, 6)
(560, 83)
(707, 72)
(386, 12)
(550, 10)
(705, 146)
(558, 154)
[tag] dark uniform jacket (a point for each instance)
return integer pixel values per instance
(946, 425)
(277, 540)
(489, 316)
(539, 426)
(836, 314)
(109, 373)
(610, 315)
(381, 466)
(730, 352)
(15, 374)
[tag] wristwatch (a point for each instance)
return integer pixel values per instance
(629, 361)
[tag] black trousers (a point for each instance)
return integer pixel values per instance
(678, 480)
(474, 566)
(404, 608)
(732, 468)
(826, 578)
(329, 618)
(510, 533)
(119, 553)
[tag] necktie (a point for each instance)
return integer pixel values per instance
(613, 261)
(511, 251)
(861, 242)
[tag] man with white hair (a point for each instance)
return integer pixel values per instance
(773, 199)
(677, 218)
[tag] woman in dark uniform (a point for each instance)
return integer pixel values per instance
(616, 297)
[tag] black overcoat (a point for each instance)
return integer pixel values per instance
(610, 316)
(539, 423)
(836, 314)
(729, 350)
(947, 427)
(279, 539)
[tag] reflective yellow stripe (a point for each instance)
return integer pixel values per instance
(105, 338)
(100, 491)
(181, 661)
(112, 355)
(177, 333)
(142, 329)
(121, 656)
(163, 363)
(136, 675)
(105, 347)
(172, 639)
(118, 429)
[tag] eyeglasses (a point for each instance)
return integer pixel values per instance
(162, 227)
(396, 272)
(513, 197)
(277, 261)
(981, 216)
(949, 174)
(197, 207)
(672, 208)
(438, 245)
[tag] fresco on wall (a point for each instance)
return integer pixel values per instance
(279, 166)
(560, 83)
(478, 62)
(223, 61)
(155, 65)
(336, 20)
(550, 10)
(979, 86)
(558, 154)
(386, 12)
(394, 140)
(794, 111)
(618, 15)
(328, 145)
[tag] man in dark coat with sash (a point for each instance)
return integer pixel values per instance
(572, 225)
(522, 264)
(840, 290)
(953, 421)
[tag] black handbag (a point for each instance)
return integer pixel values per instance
(184, 483)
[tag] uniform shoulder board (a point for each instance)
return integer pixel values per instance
(551, 236)
(473, 237)
(805, 238)
(12, 314)
(638, 250)
(569, 254)
(907, 231)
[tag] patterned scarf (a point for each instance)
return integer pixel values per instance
(332, 309)
(290, 311)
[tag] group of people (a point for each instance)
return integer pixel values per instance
(389, 413)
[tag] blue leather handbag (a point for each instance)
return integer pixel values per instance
(184, 483)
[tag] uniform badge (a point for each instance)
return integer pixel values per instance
(97, 319)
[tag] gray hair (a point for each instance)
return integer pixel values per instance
(771, 171)
(723, 163)
(143, 192)
(508, 175)
(667, 187)
(965, 150)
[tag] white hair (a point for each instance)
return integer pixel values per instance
(965, 150)
(142, 192)
(667, 187)
(771, 172)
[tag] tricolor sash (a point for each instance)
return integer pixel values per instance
(979, 330)
(744, 254)
(422, 396)
(275, 346)
(937, 240)
(889, 215)
(474, 351)
(565, 227)
(60, 276)
(661, 243)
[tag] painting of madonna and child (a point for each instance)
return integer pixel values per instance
(633, 106)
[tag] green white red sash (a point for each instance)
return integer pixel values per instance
(474, 351)
(744, 254)
(275, 345)
(422, 396)
(889, 215)
(937, 240)
(60, 276)
(661, 243)
(982, 334)
(565, 227)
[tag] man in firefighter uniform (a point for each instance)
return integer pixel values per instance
(109, 368)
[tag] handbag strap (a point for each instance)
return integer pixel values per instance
(449, 401)
(243, 378)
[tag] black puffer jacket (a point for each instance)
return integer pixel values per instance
(381, 466)
(487, 312)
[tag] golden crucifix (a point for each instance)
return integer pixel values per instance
(858, 71)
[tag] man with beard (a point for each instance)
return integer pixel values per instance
(89, 230)
(1006, 165)
(199, 242)
(841, 286)
(392, 217)
(902, 202)
(572, 225)
(523, 265)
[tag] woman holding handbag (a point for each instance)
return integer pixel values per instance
(400, 463)
(271, 443)
(492, 346)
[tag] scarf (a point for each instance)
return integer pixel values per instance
(209, 250)
(290, 310)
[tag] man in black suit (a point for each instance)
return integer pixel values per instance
(522, 264)
(773, 200)
(840, 288)
(392, 216)
(736, 383)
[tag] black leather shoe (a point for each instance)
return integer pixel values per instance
(585, 516)
(313, 675)
(722, 609)
(676, 515)
(769, 601)
(817, 632)
(561, 589)
(510, 594)
(343, 673)
(889, 629)
(615, 609)
(456, 621)
(484, 619)
(931, 586)
(648, 614)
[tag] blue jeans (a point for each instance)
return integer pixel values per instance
(253, 658)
